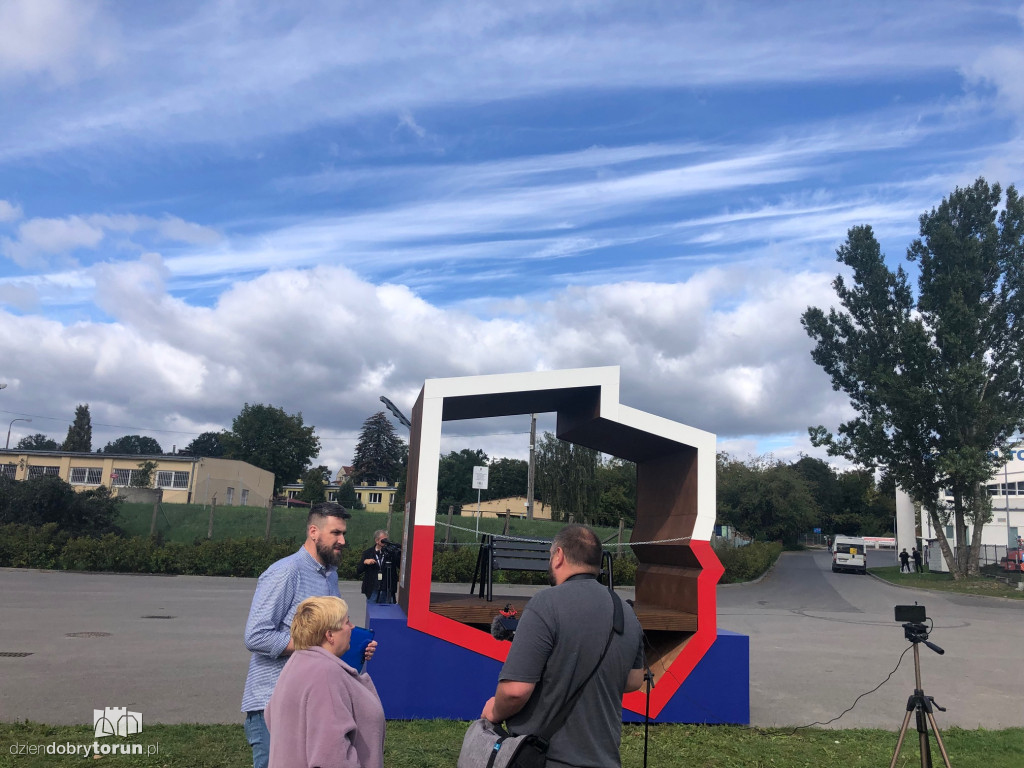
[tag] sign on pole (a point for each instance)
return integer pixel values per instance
(480, 478)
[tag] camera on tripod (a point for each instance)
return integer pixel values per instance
(919, 705)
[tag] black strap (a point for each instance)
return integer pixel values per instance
(617, 628)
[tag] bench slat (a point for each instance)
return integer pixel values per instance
(506, 563)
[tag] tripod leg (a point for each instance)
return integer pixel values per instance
(903, 735)
(938, 740)
(922, 737)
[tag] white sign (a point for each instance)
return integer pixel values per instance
(480, 478)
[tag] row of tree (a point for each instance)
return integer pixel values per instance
(262, 435)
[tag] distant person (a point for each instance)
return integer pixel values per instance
(323, 713)
(905, 561)
(310, 572)
(916, 554)
(378, 568)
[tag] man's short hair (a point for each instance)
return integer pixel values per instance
(320, 512)
(313, 617)
(580, 546)
(381, 532)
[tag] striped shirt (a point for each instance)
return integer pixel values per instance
(279, 591)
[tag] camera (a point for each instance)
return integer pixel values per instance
(914, 614)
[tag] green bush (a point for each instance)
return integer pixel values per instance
(749, 562)
(27, 546)
(455, 565)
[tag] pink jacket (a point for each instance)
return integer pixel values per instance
(323, 714)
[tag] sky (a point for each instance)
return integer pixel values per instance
(207, 204)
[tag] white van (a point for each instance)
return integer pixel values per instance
(848, 554)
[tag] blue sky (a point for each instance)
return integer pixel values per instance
(206, 204)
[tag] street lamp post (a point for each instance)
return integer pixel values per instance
(8, 445)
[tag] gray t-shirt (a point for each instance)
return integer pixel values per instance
(557, 644)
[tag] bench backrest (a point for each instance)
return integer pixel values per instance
(515, 555)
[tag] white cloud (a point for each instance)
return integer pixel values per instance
(9, 211)
(58, 38)
(326, 343)
(45, 237)
(39, 238)
(231, 71)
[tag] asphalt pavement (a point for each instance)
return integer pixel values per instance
(171, 647)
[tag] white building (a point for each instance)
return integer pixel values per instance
(1006, 490)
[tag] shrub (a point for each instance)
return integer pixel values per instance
(749, 562)
(26, 546)
(48, 499)
(456, 564)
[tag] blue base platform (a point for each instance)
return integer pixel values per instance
(420, 677)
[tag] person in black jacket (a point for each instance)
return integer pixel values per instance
(378, 568)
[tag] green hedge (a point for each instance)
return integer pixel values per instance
(749, 562)
(24, 546)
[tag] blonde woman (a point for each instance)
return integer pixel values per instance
(322, 712)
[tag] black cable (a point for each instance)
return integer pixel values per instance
(762, 731)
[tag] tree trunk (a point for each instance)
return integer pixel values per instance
(960, 529)
(980, 511)
(947, 552)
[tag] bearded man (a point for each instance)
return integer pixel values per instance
(310, 572)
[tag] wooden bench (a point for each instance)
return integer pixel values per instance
(503, 553)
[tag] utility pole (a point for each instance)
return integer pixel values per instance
(532, 465)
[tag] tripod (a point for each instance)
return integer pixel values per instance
(920, 705)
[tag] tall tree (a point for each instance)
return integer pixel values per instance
(269, 438)
(79, 438)
(566, 478)
(134, 445)
(379, 451)
(938, 382)
(616, 483)
(314, 484)
(764, 498)
(455, 478)
(37, 442)
(347, 496)
(206, 444)
(506, 477)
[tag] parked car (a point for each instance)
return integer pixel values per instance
(848, 555)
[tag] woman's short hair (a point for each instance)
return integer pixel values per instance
(313, 617)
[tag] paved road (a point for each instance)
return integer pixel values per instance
(817, 640)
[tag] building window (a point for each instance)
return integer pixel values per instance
(949, 531)
(245, 496)
(122, 478)
(359, 497)
(374, 498)
(332, 496)
(231, 496)
(86, 475)
(166, 479)
(40, 471)
(8, 470)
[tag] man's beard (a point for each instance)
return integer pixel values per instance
(329, 555)
(551, 577)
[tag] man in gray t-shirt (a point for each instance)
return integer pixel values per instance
(557, 645)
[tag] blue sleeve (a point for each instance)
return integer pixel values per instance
(266, 631)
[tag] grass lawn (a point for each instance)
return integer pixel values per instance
(982, 585)
(436, 743)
